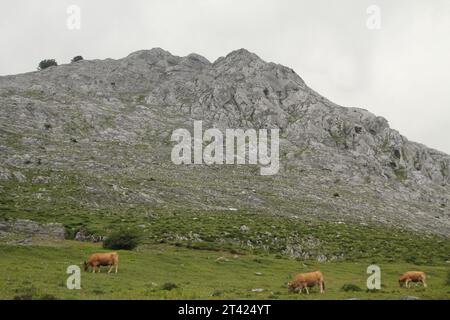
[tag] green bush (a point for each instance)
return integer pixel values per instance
(77, 58)
(217, 293)
(126, 239)
(44, 64)
(169, 286)
(350, 287)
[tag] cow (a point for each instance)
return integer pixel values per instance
(307, 280)
(97, 260)
(412, 276)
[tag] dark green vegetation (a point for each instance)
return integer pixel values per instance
(168, 272)
(76, 59)
(126, 239)
(350, 287)
(44, 64)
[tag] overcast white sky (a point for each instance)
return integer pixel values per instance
(400, 71)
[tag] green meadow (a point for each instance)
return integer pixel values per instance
(170, 272)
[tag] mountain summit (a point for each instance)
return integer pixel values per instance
(95, 134)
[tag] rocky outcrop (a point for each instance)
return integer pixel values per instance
(409, 298)
(84, 236)
(108, 122)
(32, 228)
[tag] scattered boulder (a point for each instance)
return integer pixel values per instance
(19, 176)
(83, 236)
(409, 298)
(244, 228)
(5, 175)
(222, 259)
(40, 180)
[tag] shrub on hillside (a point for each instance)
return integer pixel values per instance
(217, 293)
(169, 286)
(350, 287)
(77, 58)
(126, 239)
(44, 64)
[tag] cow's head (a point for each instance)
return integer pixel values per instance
(290, 286)
(401, 283)
(86, 266)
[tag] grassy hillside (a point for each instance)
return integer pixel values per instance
(203, 254)
(168, 272)
(243, 231)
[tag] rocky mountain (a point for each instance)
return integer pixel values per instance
(97, 134)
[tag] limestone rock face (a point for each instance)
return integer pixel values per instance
(107, 122)
(83, 236)
(32, 228)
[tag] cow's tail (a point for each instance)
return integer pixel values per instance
(323, 285)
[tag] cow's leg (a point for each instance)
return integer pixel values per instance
(307, 290)
(110, 268)
(424, 283)
(93, 268)
(321, 286)
(117, 267)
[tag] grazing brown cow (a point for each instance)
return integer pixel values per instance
(307, 280)
(412, 276)
(102, 259)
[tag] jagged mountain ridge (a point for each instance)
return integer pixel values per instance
(112, 120)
